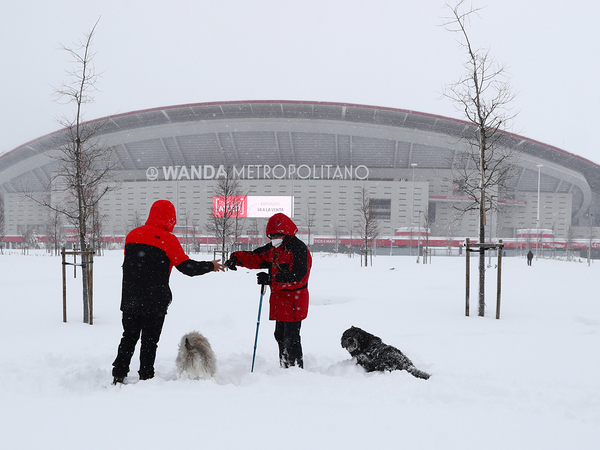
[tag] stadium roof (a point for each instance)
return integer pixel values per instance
(293, 132)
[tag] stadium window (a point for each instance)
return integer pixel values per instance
(382, 207)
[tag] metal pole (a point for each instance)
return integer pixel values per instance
(499, 288)
(85, 284)
(91, 283)
(64, 283)
(262, 293)
(468, 276)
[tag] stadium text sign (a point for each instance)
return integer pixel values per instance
(255, 206)
(259, 172)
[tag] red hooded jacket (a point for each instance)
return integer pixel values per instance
(289, 266)
(151, 251)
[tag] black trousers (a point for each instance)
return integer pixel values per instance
(287, 335)
(134, 325)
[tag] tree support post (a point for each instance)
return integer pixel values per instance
(482, 248)
(87, 264)
(499, 287)
(64, 283)
(368, 253)
(90, 268)
(468, 277)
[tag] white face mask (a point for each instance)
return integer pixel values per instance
(276, 242)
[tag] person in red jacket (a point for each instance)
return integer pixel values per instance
(151, 251)
(289, 262)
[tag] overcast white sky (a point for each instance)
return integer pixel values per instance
(391, 53)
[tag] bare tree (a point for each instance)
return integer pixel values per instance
(337, 233)
(96, 231)
(226, 220)
(85, 165)
(54, 232)
(192, 230)
(427, 222)
(351, 233)
(238, 224)
(310, 222)
(553, 240)
(189, 233)
(368, 223)
(483, 94)
(137, 220)
(27, 233)
(451, 227)
(254, 232)
(84, 174)
(570, 240)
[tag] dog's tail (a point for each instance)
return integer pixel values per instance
(418, 373)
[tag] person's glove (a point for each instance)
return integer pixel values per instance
(232, 262)
(263, 278)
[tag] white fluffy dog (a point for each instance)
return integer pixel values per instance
(195, 359)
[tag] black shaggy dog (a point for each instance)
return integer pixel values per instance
(372, 354)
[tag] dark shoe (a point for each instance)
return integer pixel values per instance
(146, 377)
(118, 380)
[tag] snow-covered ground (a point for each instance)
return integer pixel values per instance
(530, 380)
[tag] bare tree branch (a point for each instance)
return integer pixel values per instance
(368, 223)
(229, 223)
(84, 174)
(484, 95)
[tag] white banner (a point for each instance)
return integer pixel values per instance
(267, 206)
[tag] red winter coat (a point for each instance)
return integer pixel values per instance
(151, 251)
(289, 266)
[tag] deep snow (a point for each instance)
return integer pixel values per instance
(527, 381)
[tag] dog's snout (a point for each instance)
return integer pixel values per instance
(350, 344)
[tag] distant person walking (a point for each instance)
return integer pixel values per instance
(151, 251)
(529, 257)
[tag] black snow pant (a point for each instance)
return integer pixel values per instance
(134, 325)
(287, 335)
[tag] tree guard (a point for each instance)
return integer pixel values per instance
(87, 263)
(481, 248)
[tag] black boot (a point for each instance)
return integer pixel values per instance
(284, 361)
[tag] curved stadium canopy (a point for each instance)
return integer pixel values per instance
(299, 133)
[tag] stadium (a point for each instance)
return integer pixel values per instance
(312, 160)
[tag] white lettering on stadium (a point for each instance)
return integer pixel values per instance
(260, 172)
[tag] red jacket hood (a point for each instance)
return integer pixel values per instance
(282, 224)
(162, 215)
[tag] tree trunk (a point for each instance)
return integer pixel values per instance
(482, 254)
(84, 276)
(482, 150)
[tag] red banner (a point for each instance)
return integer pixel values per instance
(230, 206)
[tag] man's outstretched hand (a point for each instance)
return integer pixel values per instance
(218, 267)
